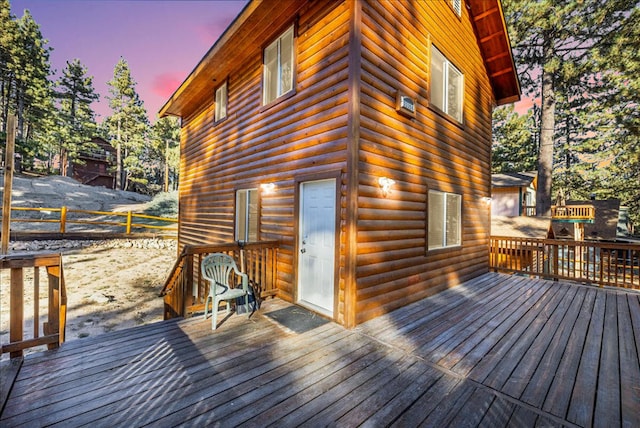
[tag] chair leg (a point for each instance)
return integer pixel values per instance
(214, 318)
(206, 306)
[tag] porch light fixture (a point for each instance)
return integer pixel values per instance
(268, 188)
(385, 184)
(486, 200)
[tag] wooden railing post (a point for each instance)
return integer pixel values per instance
(17, 309)
(187, 292)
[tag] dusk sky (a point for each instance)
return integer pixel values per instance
(161, 40)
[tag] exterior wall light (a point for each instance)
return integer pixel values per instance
(486, 200)
(268, 188)
(385, 185)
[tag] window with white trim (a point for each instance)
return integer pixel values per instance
(445, 220)
(278, 67)
(247, 215)
(221, 103)
(447, 85)
(457, 6)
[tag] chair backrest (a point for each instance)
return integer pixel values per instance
(217, 268)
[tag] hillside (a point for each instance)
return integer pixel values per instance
(56, 191)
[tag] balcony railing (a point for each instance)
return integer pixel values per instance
(184, 292)
(573, 213)
(50, 302)
(610, 264)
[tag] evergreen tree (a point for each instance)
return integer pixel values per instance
(31, 69)
(127, 126)
(77, 119)
(166, 143)
(515, 148)
(554, 41)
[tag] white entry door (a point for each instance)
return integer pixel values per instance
(316, 244)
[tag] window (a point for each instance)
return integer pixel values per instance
(221, 103)
(445, 219)
(457, 6)
(447, 85)
(278, 67)
(247, 215)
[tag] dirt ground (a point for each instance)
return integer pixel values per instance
(110, 286)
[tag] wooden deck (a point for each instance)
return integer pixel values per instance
(497, 351)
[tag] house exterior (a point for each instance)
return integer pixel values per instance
(96, 163)
(514, 194)
(356, 133)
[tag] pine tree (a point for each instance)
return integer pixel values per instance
(515, 148)
(554, 41)
(77, 119)
(127, 126)
(166, 142)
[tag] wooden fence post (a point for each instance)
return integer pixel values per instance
(129, 217)
(63, 219)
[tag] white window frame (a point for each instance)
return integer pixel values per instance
(447, 218)
(448, 71)
(244, 215)
(221, 103)
(457, 6)
(281, 68)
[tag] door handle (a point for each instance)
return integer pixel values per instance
(303, 250)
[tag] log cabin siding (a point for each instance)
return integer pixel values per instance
(431, 151)
(352, 57)
(305, 131)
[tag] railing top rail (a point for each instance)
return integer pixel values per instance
(229, 246)
(598, 244)
(10, 261)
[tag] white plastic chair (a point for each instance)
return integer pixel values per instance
(218, 269)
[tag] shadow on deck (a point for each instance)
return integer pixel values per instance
(496, 351)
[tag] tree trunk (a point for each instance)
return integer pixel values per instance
(118, 160)
(547, 125)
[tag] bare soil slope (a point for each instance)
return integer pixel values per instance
(111, 284)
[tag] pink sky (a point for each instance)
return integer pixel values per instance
(161, 40)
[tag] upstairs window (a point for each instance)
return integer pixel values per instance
(278, 67)
(447, 85)
(445, 220)
(221, 103)
(247, 215)
(457, 6)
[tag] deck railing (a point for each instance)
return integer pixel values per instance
(573, 213)
(127, 221)
(55, 311)
(611, 264)
(184, 292)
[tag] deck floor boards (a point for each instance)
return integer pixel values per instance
(496, 351)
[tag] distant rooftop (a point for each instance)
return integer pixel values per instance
(513, 179)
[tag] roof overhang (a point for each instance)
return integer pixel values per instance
(242, 40)
(493, 39)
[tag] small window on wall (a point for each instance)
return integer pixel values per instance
(457, 6)
(445, 220)
(247, 215)
(278, 67)
(447, 85)
(221, 102)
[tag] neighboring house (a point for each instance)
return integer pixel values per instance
(96, 162)
(358, 134)
(514, 194)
